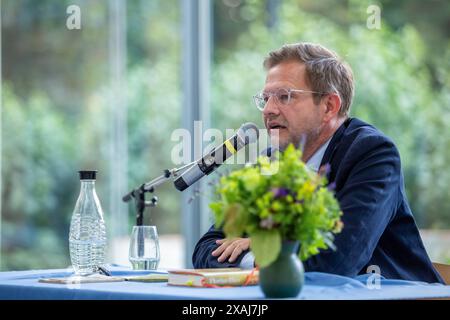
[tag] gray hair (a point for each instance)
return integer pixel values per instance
(325, 71)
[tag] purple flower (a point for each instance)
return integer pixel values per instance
(325, 169)
(280, 192)
(332, 186)
(267, 223)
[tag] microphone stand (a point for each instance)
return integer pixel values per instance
(141, 203)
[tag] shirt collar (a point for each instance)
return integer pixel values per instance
(314, 162)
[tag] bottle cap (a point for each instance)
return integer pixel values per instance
(87, 174)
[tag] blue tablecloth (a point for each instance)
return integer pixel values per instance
(24, 285)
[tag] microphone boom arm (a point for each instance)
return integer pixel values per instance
(138, 194)
(149, 186)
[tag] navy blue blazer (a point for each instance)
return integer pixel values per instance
(379, 228)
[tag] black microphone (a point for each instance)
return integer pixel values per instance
(247, 133)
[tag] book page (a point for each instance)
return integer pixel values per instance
(82, 279)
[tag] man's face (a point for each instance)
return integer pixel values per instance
(301, 119)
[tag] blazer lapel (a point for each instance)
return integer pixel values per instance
(334, 143)
(332, 147)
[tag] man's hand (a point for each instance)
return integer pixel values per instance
(231, 248)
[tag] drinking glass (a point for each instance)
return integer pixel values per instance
(144, 248)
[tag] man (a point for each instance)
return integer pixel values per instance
(306, 98)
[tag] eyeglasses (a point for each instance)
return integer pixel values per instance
(282, 97)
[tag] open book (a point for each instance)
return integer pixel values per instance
(152, 277)
(94, 278)
(213, 277)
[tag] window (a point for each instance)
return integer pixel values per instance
(105, 97)
(107, 94)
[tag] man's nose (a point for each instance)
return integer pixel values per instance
(271, 107)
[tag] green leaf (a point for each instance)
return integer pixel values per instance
(265, 245)
(235, 221)
(217, 209)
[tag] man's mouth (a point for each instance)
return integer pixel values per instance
(278, 126)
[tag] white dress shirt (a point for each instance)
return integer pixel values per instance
(313, 163)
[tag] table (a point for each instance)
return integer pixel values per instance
(24, 285)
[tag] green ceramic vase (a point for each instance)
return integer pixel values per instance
(283, 278)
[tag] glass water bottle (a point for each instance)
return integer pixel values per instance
(87, 239)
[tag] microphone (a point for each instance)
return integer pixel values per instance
(247, 133)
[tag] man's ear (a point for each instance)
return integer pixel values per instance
(332, 106)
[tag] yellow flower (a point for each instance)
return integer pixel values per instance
(252, 180)
(306, 190)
